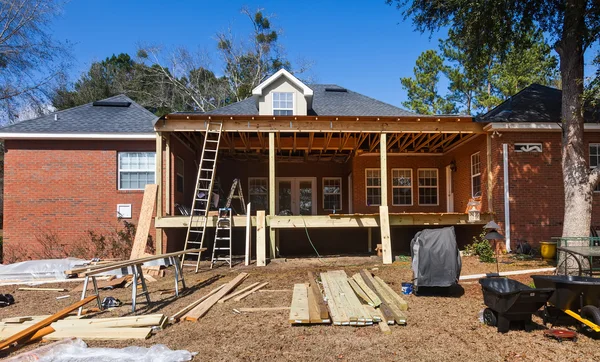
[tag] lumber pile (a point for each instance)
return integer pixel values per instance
(357, 301)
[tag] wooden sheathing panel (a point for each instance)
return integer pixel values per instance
(299, 313)
(143, 227)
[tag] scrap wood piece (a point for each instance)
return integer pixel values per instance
(317, 296)
(201, 309)
(299, 313)
(386, 311)
(99, 333)
(244, 295)
(397, 298)
(143, 226)
(189, 307)
(17, 338)
(227, 297)
(17, 319)
(43, 289)
(361, 294)
(370, 293)
(274, 290)
(263, 309)
(338, 316)
(119, 322)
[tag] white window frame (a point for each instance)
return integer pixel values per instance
(182, 175)
(437, 187)
(367, 187)
(403, 187)
(119, 170)
(283, 108)
(597, 155)
(473, 174)
(339, 179)
(250, 194)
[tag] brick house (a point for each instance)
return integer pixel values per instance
(311, 156)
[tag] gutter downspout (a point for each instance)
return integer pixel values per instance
(506, 198)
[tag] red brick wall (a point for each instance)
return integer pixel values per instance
(65, 188)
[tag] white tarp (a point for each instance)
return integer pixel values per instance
(36, 271)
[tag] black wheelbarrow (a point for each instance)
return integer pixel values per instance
(575, 296)
(509, 301)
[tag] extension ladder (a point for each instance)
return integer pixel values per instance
(222, 244)
(236, 186)
(204, 186)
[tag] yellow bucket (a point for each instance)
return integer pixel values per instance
(548, 250)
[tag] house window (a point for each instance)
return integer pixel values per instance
(179, 168)
(428, 186)
(402, 186)
(258, 191)
(475, 175)
(595, 159)
(283, 103)
(332, 193)
(373, 186)
(136, 170)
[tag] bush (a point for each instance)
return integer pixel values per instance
(482, 248)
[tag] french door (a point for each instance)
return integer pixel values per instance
(297, 195)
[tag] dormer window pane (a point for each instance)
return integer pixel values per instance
(283, 103)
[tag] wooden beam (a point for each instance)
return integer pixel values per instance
(384, 173)
(201, 309)
(143, 226)
(272, 188)
(189, 307)
(386, 241)
(261, 247)
(168, 170)
(159, 199)
(238, 292)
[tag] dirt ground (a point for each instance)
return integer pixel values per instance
(439, 328)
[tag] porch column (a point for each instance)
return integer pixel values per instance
(159, 199)
(168, 173)
(272, 192)
(383, 168)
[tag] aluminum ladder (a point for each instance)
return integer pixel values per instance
(236, 187)
(204, 185)
(222, 245)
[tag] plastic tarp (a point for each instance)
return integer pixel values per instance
(435, 258)
(36, 271)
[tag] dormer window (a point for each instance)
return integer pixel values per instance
(283, 103)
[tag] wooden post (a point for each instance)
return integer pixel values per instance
(159, 198)
(370, 240)
(261, 257)
(386, 241)
(168, 173)
(248, 231)
(383, 169)
(272, 188)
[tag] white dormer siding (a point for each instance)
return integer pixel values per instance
(283, 83)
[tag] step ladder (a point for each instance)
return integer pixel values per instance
(222, 245)
(204, 185)
(236, 187)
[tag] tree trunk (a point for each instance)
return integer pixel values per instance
(577, 186)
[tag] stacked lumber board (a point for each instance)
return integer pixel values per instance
(359, 300)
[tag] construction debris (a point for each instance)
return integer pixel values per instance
(43, 289)
(200, 310)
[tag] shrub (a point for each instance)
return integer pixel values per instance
(482, 248)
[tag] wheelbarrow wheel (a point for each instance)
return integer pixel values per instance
(591, 313)
(489, 317)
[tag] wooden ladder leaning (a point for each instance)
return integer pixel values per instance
(204, 185)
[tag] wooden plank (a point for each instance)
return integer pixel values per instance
(43, 289)
(397, 298)
(130, 321)
(299, 313)
(248, 232)
(374, 313)
(98, 333)
(274, 290)
(189, 307)
(272, 188)
(337, 313)
(263, 309)
(386, 311)
(318, 297)
(201, 309)
(313, 310)
(45, 322)
(383, 169)
(244, 295)
(370, 293)
(384, 327)
(386, 239)
(349, 298)
(261, 239)
(358, 291)
(141, 247)
(17, 319)
(386, 298)
(143, 226)
(238, 292)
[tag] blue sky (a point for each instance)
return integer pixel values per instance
(362, 45)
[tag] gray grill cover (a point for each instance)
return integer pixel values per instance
(435, 258)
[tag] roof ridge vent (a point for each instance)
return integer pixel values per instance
(111, 104)
(336, 89)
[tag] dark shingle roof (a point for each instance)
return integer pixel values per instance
(328, 100)
(87, 118)
(534, 104)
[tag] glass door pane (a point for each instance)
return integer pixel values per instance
(305, 194)
(285, 196)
